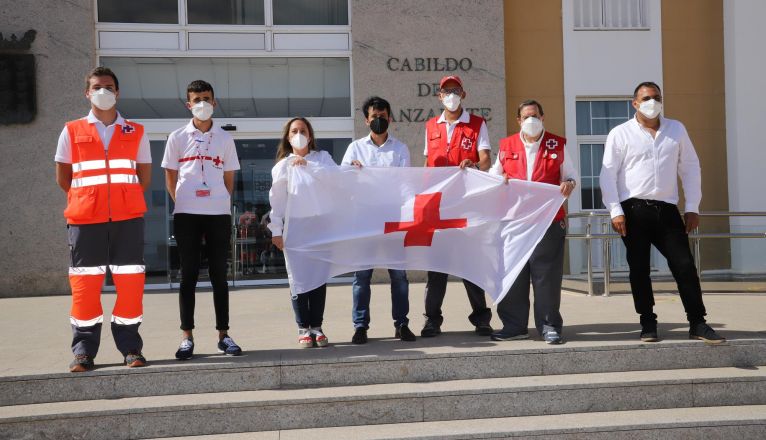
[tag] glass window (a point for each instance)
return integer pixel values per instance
(225, 12)
(610, 14)
(591, 156)
(310, 12)
(599, 117)
(138, 11)
(244, 87)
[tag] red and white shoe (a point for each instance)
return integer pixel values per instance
(319, 337)
(304, 338)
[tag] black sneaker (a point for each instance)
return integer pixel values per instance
(484, 330)
(705, 333)
(81, 364)
(135, 360)
(228, 346)
(507, 335)
(360, 336)
(649, 333)
(185, 350)
(404, 333)
(430, 330)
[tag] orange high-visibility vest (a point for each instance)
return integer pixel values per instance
(463, 145)
(547, 166)
(104, 185)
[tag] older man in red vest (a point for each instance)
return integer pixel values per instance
(459, 139)
(539, 156)
(103, 163)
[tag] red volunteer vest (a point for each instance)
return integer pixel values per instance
(547, 167)
(463, 145)
(105, 185)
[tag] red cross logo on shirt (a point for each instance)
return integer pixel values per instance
(420, 232)
(217, 161)
(126, 129)
(551, 144)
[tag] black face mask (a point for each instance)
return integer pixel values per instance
(379, 125)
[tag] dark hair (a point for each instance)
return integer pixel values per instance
(377, 103)
(285, 148)
(101, 71)
(199, 86)
(527, 103)
(646, 84)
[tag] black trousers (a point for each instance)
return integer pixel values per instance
(309, 307)
(189, 230)
(651, 222)
(436, 288)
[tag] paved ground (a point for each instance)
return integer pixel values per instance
(37, 332)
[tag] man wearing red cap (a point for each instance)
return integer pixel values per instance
(455, 138)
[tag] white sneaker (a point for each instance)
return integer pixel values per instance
(319, 337)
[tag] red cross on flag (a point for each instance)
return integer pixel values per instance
(463, 222)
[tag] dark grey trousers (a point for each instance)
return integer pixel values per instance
(544, 270)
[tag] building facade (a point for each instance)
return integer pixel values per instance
(269, 60)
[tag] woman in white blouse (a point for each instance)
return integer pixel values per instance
(298, 148)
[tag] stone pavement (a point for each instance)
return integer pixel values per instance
(38, 333)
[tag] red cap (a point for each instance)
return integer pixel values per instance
(450, 78)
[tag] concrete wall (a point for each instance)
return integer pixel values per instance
(32, 229)
(693, 75)
(402, 48)
(744, 36)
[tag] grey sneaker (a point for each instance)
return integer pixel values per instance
(552, 337)
(228, 346)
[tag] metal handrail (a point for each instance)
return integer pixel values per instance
(607, 237)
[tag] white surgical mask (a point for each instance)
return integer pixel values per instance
(651, 108)
(202, 110)
(451, 102)
(532, 126)
(103, 99)
(299, 141)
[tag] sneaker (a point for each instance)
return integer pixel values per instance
(506, 335)
(552, 337)
(705, 333)
(649, 333)
(228, 346)
(430, 330)
(185, 350)
(81, 364)
(319, 337)
(135, 360)
(484, 330)
(304, 338)
(360, 336)
(403, 333)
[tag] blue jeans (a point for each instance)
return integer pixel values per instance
(400, 302)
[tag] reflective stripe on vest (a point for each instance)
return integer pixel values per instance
(86, 322)
(131, 268)
(102, 179)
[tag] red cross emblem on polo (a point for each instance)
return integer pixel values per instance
(427, 220)
(551, 144)
(217, 161)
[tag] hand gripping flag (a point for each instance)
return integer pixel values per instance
(465, 223)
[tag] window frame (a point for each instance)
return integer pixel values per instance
(643, 18)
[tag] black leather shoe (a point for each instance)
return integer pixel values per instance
(360, 336)
(484, 330)
(404, 333)
(430, 330)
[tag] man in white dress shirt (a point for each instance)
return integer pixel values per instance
(643, 159)
(379, 149)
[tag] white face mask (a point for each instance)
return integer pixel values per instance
(532, 126)
(651, 108)
(202, 110)
(299, 141)
(103, 99)
(451, 102)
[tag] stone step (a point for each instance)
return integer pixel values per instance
(269, 410)
(314, 368)
(741, 422)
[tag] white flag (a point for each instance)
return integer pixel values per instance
(465, 223)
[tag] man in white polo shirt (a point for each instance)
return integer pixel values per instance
(200, 161)
(379, 149)
(643, 159)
